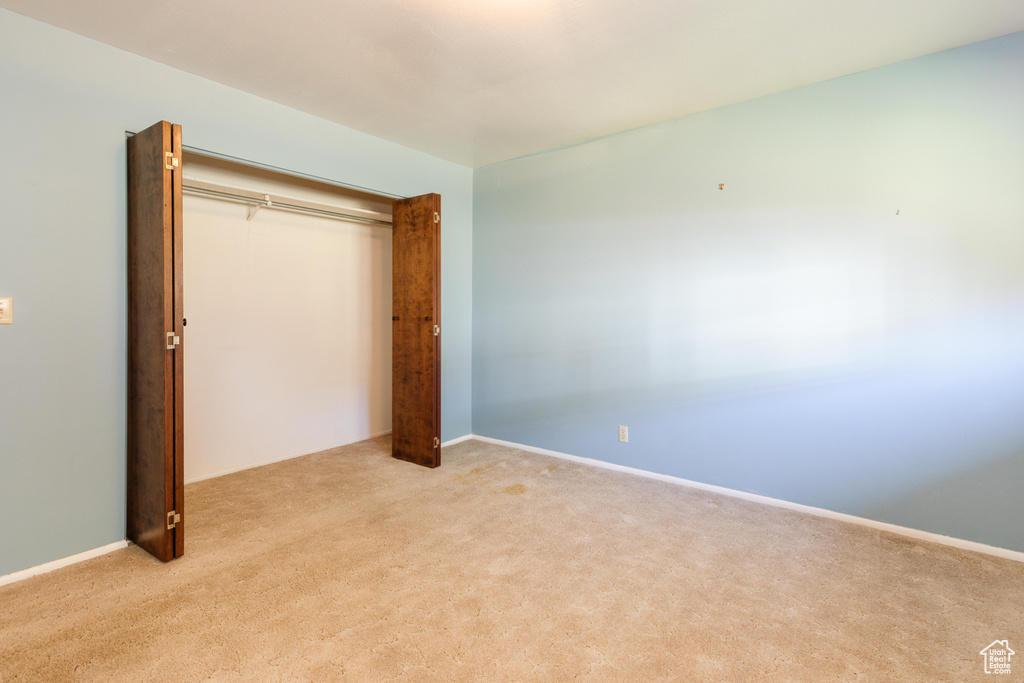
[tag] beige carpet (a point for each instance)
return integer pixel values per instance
(505, 565)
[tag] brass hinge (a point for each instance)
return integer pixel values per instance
(173, 519)
(437, 217)
(437, 442)
(171, 162)
(172, 340)
(437, 330)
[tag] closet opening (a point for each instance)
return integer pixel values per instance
(309, 312)
(287, 314)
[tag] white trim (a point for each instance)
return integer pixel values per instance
(775, 502)
(221, 473)
(458, 439)
(57, 564)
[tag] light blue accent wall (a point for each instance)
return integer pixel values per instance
(841, 326)
(65, 104)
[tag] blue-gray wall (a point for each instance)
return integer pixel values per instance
(791, 334)
(65, 103)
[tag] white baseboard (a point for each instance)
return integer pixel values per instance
(57, 564)
(775, 502)
(221, 473)
(458, 439)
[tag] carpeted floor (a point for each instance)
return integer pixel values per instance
(503, 565)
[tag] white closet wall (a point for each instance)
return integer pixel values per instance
(288, 342)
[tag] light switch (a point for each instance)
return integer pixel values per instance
(6, 311)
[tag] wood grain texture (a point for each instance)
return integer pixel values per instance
(151, 386)
(416, 350)
(178, 356)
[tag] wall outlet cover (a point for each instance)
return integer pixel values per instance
(623, 434)
(6, 310)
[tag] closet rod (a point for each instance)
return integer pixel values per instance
(199, 151)
(280, 202)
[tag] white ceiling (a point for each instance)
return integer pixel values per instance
(480, 81)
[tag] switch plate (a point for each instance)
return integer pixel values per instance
(6, 311)
(623, 434)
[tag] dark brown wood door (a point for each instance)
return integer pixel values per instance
(155, 356)
(416, 325)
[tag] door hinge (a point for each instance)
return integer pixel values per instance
(172, 340)
(437, 330)
(437, 217)
(171, 162)
(437, 442)
(173, 519)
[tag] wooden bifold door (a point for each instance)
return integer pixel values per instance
(416, 330)
(156, 486)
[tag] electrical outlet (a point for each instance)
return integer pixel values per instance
(7, 311)
(623, 434)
